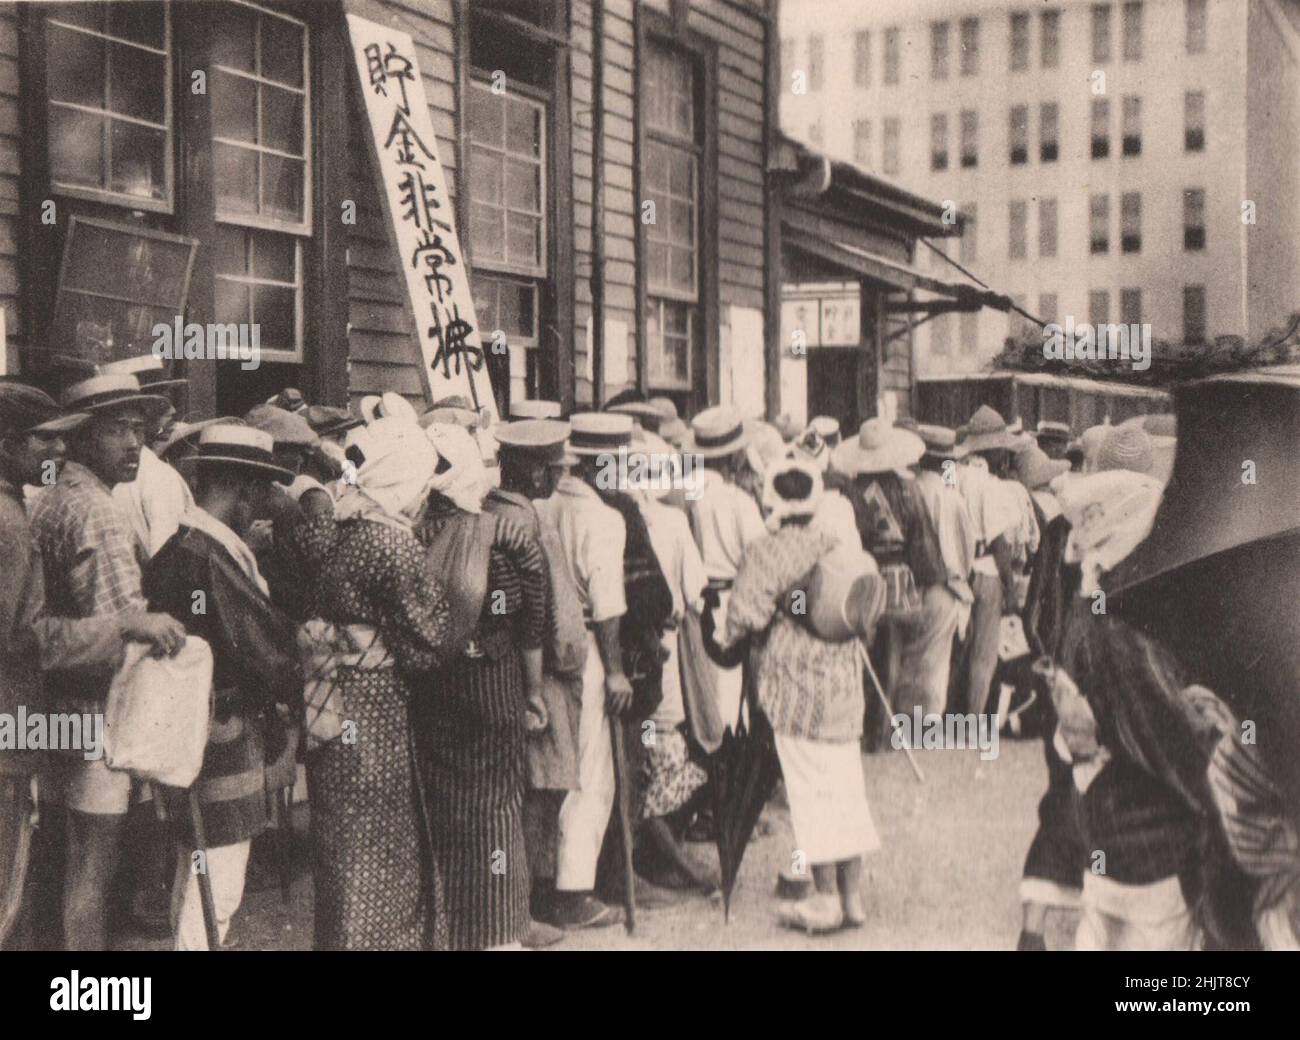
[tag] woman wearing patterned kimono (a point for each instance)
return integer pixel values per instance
(471, 735)
(375, 886)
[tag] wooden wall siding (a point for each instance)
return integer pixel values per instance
(739, 39)
(10, 169)
(383, 353)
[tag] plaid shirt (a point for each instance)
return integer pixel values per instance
(90, 559)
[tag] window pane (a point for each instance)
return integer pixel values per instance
(235, 176)
(89, 15)
(232, 302)
(523, 129)
(523, 186)
(523, 240)
(137, 160)
(282, 50)
(282, 124)
(232, 37)
(273, 310)
(234, 107)
(682, 270)
(486, 117)
(282, 188)
(657, 264)
(484, 177)
(76, 68)
(681, 225)
(230, 254)
(273, 256)
(487, 232)
(656, 167)
(141, 22)
(681, 169)
(134, 79)
(76, 149)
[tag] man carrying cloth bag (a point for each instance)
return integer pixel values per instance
(206, 577)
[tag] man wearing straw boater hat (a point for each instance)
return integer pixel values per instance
(254, 667)
(92, 568)
(945, 605)
(592, 536)
(724, 519)
(995, 514)
(31, 444)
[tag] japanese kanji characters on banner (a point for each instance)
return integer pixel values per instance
(421, 213)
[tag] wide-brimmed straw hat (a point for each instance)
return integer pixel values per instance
(716, 433)
(1126, 447)
(879, 446)
(647, 415)
(104, 394)
(987, 431)
(148, 369)
(599, 433)
(1035, 469)
(238, 447)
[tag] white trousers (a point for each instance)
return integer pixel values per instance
(728, 682)
(1135, 917)
(226, 867)
(584, 816)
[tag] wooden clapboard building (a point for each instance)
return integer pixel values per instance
(215, 156)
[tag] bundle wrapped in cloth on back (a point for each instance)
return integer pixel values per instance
(803, 632)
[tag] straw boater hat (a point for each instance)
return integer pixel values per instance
(238, 447)
(103, 394)
(544, 439)
(28, 410)
(716, 433)
(878, 447)
(674, 431)
(647, 415)
(599, 433)
(987, 431)
(1034, 469)
(534, 409)
(187, 432)
(147, 369)
(667, 407)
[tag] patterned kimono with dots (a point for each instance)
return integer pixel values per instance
(470, 729)
(376, 885)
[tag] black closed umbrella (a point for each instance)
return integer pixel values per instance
(743, 773)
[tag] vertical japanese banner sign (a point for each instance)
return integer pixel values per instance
(421, 214)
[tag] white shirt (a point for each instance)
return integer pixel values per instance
(727, 520)
(679, 559)
(993, 512)
(592, 536)
(155, 501)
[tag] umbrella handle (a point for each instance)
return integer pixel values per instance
(884, 701)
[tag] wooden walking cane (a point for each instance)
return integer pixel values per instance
(866, 659)
(205, 880)
(623, 794)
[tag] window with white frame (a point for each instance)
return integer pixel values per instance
(671, 175)
(110, 102)
(259, 83)
(507, 210)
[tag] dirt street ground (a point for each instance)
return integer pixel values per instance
(946, 877)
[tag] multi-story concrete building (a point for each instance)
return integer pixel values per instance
(1135, 160)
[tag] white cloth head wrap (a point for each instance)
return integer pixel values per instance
(1110, 513)
(397, 464)
(465, 480)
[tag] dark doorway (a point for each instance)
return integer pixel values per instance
(833, 376)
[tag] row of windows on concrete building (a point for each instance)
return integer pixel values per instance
(1019, 49)
(1099, 313)
(1018, 151)
(1099, 226)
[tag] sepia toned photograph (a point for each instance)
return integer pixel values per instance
(650, 475)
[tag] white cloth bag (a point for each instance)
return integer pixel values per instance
(156, 724)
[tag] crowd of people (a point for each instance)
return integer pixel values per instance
(451, 625)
